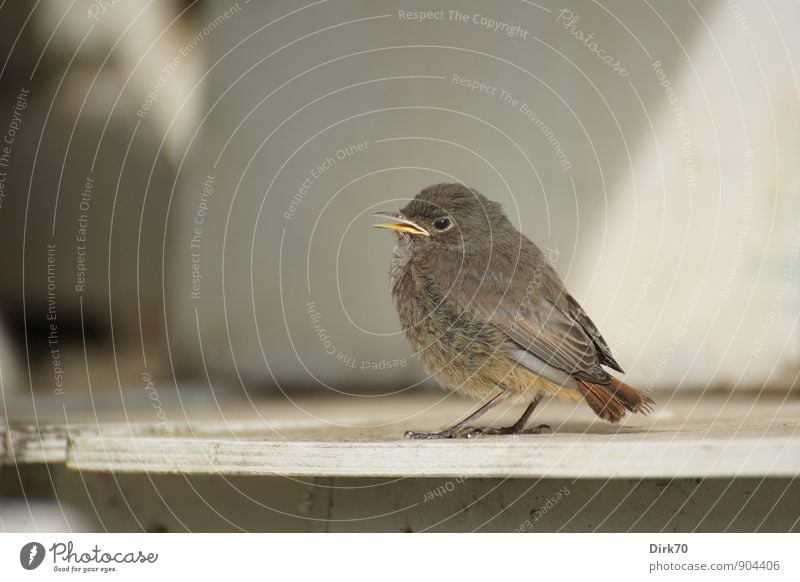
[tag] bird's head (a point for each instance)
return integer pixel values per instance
(446, 215)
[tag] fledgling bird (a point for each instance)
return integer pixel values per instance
(490, 316)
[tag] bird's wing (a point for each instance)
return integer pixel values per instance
(555, 338)
(536, 325)
(578, 314)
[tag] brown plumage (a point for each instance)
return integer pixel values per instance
(611, 401)
(490, 316)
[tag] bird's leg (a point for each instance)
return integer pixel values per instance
(461, 429)
(519, 426)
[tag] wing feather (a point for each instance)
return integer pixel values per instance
(531, 307)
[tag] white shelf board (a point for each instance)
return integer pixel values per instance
(711, 437)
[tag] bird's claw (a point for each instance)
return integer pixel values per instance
(449, 433)
(506, 430)
(472, 432)
(542, 428)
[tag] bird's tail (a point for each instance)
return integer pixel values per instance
(611, 401)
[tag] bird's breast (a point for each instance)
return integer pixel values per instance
(457, 348)
(401, 259)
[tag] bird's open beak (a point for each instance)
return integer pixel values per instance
(400, 223)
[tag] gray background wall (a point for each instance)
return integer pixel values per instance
(677, 240)
(676, 228)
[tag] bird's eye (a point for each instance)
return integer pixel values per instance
(442, 224)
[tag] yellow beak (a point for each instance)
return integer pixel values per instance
(400, 223)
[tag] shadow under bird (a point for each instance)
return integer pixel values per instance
(490, 317)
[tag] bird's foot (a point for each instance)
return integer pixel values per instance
(469, 432)
(466, 432)
(514, 429)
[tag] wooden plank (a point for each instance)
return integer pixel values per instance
(27, 444)
(586, 456)
(711, 437)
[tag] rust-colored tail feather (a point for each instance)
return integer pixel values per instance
(611, 401)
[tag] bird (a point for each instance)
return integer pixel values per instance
(490, 317)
